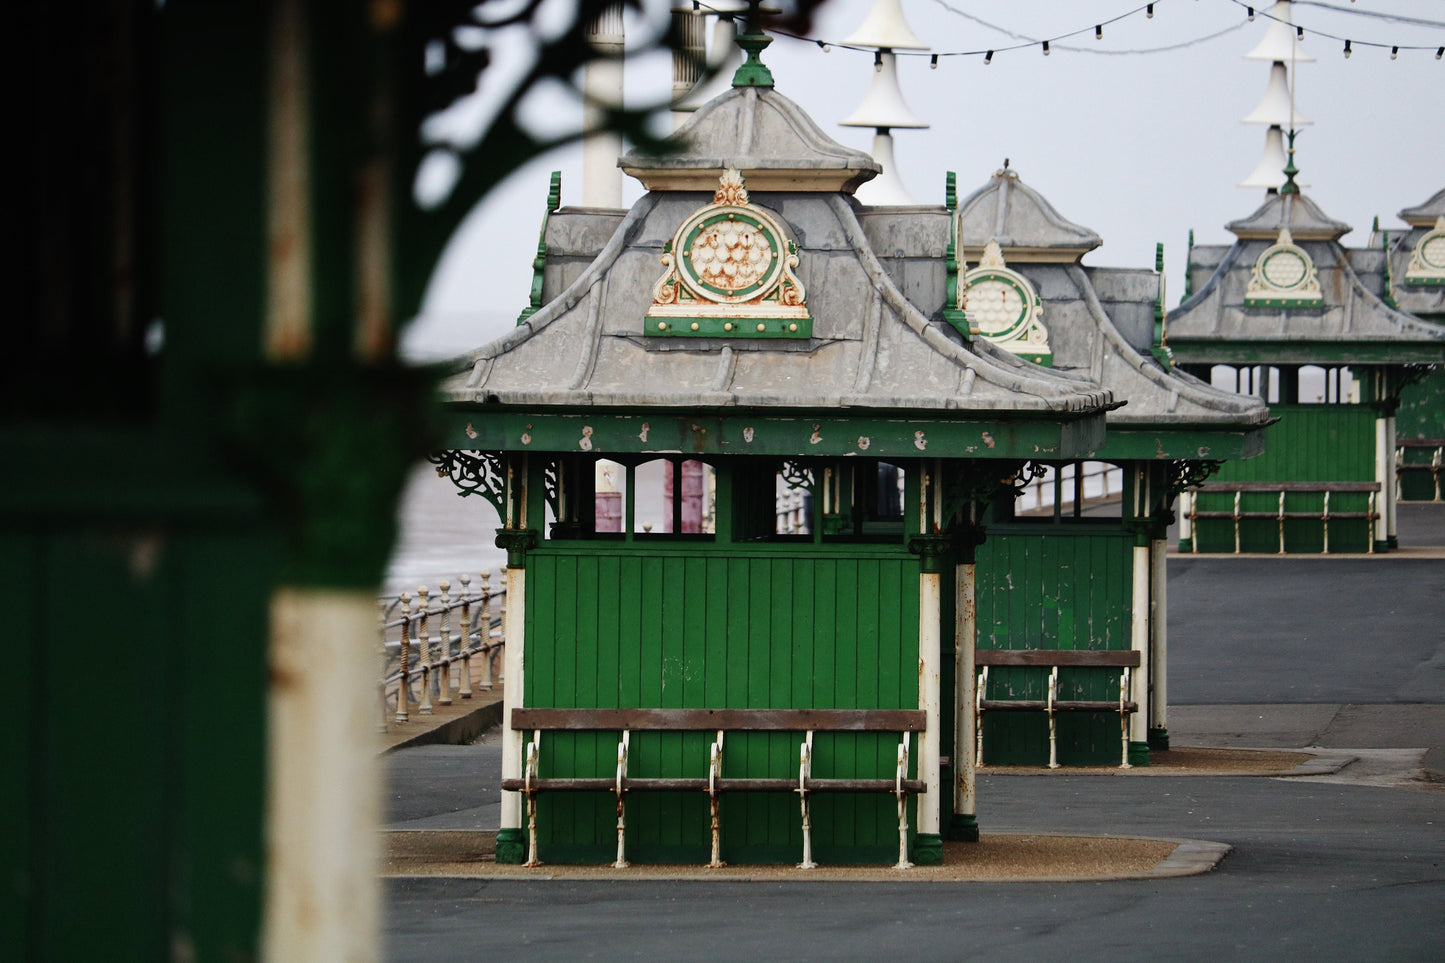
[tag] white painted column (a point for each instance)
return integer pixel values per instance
(1139, 721)
(1392, 442)
(1186, 525)
(965, 639)
(929, 699)
(513, 668)
(602, 84)
(1384, 460)
(1158, 637)
(323, 791)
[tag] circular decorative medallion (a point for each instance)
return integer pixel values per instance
(996, 306)
(730, 254)
(1285, 268)
(1432, 252)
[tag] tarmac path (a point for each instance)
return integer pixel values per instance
(1347, 653)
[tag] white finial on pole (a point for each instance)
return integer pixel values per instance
(602, 86)
(1281, 47)
(883, 108)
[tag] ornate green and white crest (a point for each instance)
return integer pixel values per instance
(1002, 306)
(729, 274)
(1427, 261)
(1283, 277)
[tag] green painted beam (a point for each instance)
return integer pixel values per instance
(1192, 442)
(751, 432)
(1222, 351)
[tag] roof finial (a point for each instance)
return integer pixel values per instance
(753, 72)
(1289, 186)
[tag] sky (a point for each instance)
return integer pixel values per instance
(1139, 147)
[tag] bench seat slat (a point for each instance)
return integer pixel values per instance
(730, 720)
(1277, 487)
(1061, 705)
(1110, 658)
(567, 784)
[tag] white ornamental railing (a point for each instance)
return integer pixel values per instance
(436, 645)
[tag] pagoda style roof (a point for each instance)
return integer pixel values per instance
(1296, 212)
(1416, 281)
(765, 136)
(1010, 212)
(1288, 292)
(1425, 215)
(1100, 325)
(810, 330)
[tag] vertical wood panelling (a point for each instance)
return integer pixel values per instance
(669, 629)
(1310, 443)
(1045, 587)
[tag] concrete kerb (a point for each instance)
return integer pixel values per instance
(469, 855)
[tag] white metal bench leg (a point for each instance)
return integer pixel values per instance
(621, 810)
(1281, 523)
(1125, 685)
(534, 749)
(1325, 517)
(1053, 717)
(714, 773)
(805, 770)
(1236, 522)
(978, 694)
(902, 774)
(1371, 543)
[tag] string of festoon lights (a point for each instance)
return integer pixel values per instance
(1049, 44)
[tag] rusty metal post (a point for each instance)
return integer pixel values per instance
(466, 634)
(381, 666)
(485, 636)
(423, 638)
(405, 680)
(445, 695)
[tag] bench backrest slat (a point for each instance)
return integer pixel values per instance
(1274, 487)
(732, 720)
(1112, 658)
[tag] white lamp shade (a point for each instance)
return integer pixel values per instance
(1274, 107)
(886, 29)
(884, 105)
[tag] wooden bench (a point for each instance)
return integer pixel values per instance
(905, 722)
(1280, 514)
(1126, 661)
(1436, 447)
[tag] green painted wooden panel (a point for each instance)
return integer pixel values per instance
(1421, 415)
(1310, 443)
(1044, 586)
(699, 629)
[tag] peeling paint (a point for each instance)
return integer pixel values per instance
(815, 438)
(863, 442)
(748, 434)
(919, 441)
(586, 441)
(642, 435)
(471, 432)
(988, 439)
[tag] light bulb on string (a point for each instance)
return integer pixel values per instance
(1046, 48)
(933, 62)
(988, 58)
(1251, 14)
(1149, 11)
(1299, 33)
(1394, 53)
(878, 60)
(1098, 31)
(1347, 50)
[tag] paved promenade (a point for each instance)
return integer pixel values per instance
(1342, 654)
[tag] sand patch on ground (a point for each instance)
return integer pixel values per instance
(997, 857)
(1182, 761)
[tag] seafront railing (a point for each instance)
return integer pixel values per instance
(420, 648)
